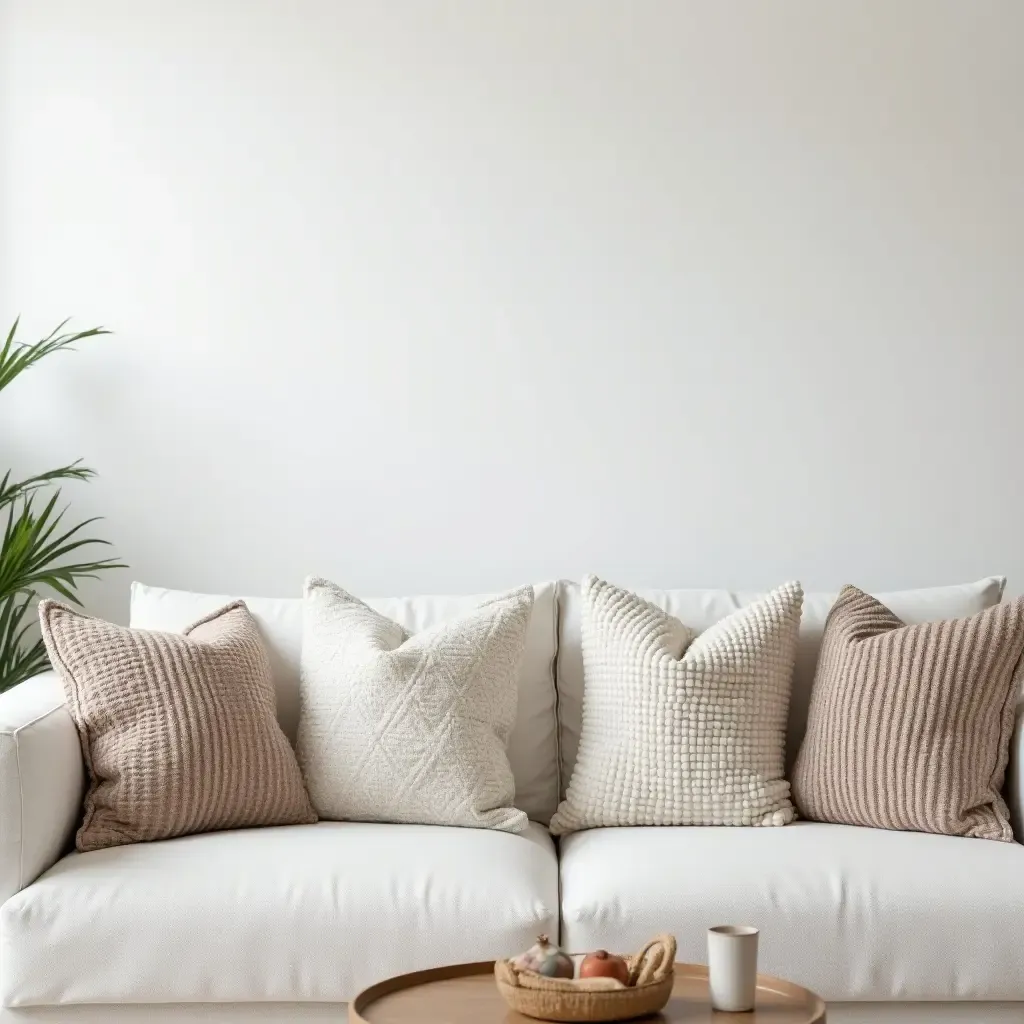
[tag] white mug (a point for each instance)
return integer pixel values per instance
(732, 967)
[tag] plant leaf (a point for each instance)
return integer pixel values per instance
(72, 471)
(16, 357)
(19, 661)
(37, 548)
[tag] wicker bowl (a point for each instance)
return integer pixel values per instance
(593, 999)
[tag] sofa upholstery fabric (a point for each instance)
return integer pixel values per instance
(866, 916)
(681, 728)
(178, 732)
(311, 912)
(702, 608)
(910, 726)
(533, 745)
(852, 913)
(410, 727)
(42, 778)
(336, 1013)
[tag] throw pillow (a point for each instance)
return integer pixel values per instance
(909, 726)
(681, 728)
(407, 727)
(178, 731)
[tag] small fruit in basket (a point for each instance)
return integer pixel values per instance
(545, 958)
(603, 964)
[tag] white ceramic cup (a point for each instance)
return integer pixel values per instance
(732, 967)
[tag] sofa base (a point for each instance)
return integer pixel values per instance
(308, 1013)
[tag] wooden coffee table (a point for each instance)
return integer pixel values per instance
(466, 994)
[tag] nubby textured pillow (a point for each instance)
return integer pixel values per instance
(909, 726)
(178, 731)
(407, 727)
(681, 728)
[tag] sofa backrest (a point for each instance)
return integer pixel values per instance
(542, 750)
(533, 747)
(700, 609)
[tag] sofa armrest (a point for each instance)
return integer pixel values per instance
(41, 780)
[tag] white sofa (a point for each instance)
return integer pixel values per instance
(286, 924)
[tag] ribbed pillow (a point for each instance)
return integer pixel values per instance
(681, 728)
(909, 726)
(178, 731)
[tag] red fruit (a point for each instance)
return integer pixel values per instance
(603, 964)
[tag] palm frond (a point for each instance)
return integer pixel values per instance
(16, 356)
(38, 550)
(9, 491)
(33, 542)
(19, 660)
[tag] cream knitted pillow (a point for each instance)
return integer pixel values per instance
(681, 728)
(410, 728)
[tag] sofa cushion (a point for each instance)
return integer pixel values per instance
(410, 728)
(909, 726)
(681, 728)
(533, 746)
(852, 913)
(178, 732)
(307, 912)
(700, 609)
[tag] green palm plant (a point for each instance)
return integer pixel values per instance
(38, 549)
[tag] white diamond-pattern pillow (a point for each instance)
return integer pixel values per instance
(681, 728)
(410, 728)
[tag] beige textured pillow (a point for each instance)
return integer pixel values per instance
(178, 731)
(681, 727)
(909, 726)
(407, 727)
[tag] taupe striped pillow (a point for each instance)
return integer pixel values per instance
(909, 726)
(178, 732)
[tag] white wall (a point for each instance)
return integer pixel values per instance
(450, 294)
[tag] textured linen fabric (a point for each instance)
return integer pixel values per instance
(910, 726)
(178, 733)
(851, 913)
(681, 728)
(313, 912)
(533, 745)
(410, 728)
(41, 780)
(701, 609)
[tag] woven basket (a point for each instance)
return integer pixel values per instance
(593, 999)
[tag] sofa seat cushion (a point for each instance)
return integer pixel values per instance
(852, 913)
(307, 912)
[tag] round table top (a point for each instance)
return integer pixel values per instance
(467, 994)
